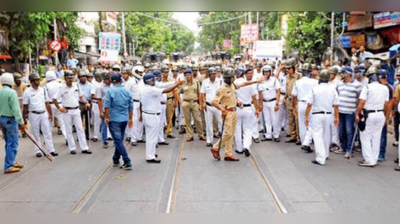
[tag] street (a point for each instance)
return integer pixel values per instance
(280, 178)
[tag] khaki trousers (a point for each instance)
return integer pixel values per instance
(228, 134)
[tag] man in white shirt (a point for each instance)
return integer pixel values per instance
(283, 118)
(137, 133)
(36, 102)
(97, 83)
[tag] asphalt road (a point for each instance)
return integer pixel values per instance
(189, 180)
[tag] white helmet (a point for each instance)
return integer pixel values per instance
(266, 68)
(136, 69)
(50, 76)
(7, 79)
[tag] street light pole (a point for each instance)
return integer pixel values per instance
(123, 34)
(332, 35)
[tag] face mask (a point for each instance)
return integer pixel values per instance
(228, 80)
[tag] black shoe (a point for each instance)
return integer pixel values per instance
(156, 155)
(163, 143)
(277, 140)
(397, 168)
(133, 143)
(238, 152)
(291, 141)
(66, 142)
(209, 145)
(153, 161)
(94, 139)
(257, 140)
(87, 152)
(288, 136)
(396, 161)
(298, 143)
(141, 141)
(105, 145)
(307, 149)
(267, 139)
(317, 163)
(246, 152)
(126, 167)
(39, 154)
(116, 163)
(109, 139)
(171, 136)
(59, 131)
(73, 152)
(54, 154)
(128, 139)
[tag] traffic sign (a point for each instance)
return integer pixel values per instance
(55, 45)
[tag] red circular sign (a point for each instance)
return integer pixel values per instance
(55, 45)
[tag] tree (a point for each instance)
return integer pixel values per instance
(24, 30)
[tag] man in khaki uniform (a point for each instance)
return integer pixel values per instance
(293, 121)
(190, 105)
(225, 101)
(20, 88)
(172, 101)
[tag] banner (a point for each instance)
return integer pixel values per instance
(386, 19)
(227, 44)
(109, 41)
(109, 56)
(358, 22)
(271, 49)
(249, 33)
(345, 41)
(111, 18)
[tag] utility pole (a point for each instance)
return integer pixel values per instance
(332, 35)
(55, 38)
(123, 34)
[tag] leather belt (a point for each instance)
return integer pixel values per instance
(209, 104)
(53, 103)
(374, 111)
(71, 108)
(233, 109)
(267, 101)
(152, 113)
(246, 105)
(137, 101)
(162, 103)
(95, 102)
(283, 93)
(37, 112)
(322, 112)
(304, 101)
(192, 101)
(170, 98)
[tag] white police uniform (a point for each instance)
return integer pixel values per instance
(52, 89)
(163, 106)
(322, 98)
(210, 89)
(137, 133)
(283, 112)
(301, 89)
(95, 110)
(69, 97)
(245, 116)
(269, 90)
(376, 96)
(130, 86)
(335, 130)
(38, 117)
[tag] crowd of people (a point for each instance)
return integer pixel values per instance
(342, 108)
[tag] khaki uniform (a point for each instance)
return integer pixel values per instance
(293, 121)
(170, 107)
(20, 92)
(190, 106)
(226, 95)
(201, 78)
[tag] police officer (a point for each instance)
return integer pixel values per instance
(129, 85)
(159, 84)
(207, 95)
(137, 133)
(283, 121)
(302, 88)
(10, 118)
(334, 82)
(97, 83)
(70, 95)
(322, 103)
(150, 99)
(374, 102)
(269, 96)
(225, 101)
(100, 97)
(171, 102)
(36, 102)
(86, 88)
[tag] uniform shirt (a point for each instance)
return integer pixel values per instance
(86, 89)
(334, 83)
(375, 96)
(256, 75)
(52, 88)
(302, 88)
(101, 92)
(290, 83)
(210, 89)
(10, 104)
(348, 96)
(137, 85)
(20, 91)
(36, 99)
(226, 95)
(69, 96)
(364, 82)
(245, 94)
(150, 98)
(269, 88)
(170, 94)
(191, 90)
(397, 95)
(323, 97)
(119, 101)
(282, 80)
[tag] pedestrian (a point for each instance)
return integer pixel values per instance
(207, 95)
(396, 113)
(10, 119)
(322, 103)
(72, 62)
(118, 115)
(225, 101)
(374, 102)
(190, 106)
(349, 90)
(36, 105)
(269, 92)
(383, 80)
(150, 99)
(359, 73)
(59, 71)
(70, 95)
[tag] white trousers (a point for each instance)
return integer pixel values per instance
(57, 114)
(244, 127)
(271, 120)
(257, 125)
(371, 137)
(212, 112)
(335, 134)
(322, 127)
(305, 132)
(151, 123)
(41, 122)
(96, 119)
(73, 117)
(163, 118)
(137, 130)
(283, 116)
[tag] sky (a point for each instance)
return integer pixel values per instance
(188, 19)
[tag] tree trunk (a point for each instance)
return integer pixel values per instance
(15, 57)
